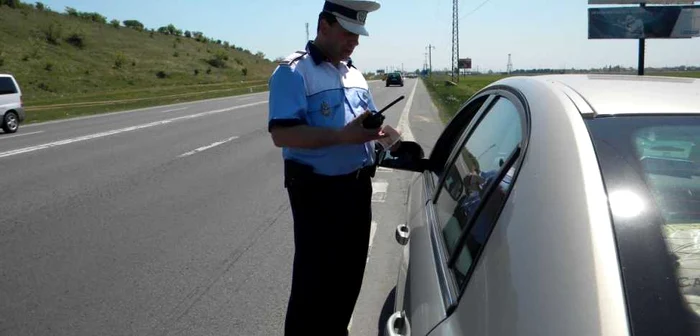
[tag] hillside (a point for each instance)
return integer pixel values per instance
(75, 63)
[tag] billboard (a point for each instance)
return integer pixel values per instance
(464, 63)
(638, 2)
(644, 22)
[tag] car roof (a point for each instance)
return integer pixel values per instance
(596, 95)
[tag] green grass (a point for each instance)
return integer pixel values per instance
(448, 98)
(115, 64)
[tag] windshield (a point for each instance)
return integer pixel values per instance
(651, 170)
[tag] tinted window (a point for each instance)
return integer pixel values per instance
(651, 170)
(7, 86)
(477, 166)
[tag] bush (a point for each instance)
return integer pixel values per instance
(48, 66)
(72, 12)
(208, 71)
(119, 60)
(134, 24)
(188, 34)
(77, 40)
(45, 87)
(133, 63)
(161, 74)
(196, 72)
(219, 59)
(40, 6)
(244, 71)
(176, 54)
(2, 60)
(52, 33)
(115, 23)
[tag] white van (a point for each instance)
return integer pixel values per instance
(11, 105)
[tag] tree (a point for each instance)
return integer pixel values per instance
(134, 24)
(188, 34)
(114, 23)
(72, 12)
(40, 6)
(10, 3)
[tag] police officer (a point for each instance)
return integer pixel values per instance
(318, 102)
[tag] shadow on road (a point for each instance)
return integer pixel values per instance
(387, 310)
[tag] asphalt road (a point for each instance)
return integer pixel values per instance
(171, 221)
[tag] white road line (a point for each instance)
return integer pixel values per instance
(247, 98)
(372, 233)
(201, 149)
(173, 110)
(145, 109)
(404, 124)
(19, 135)
(121, 130)
(379, 191)
(384, 170)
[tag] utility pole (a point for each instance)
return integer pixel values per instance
(642, 51)
(455, 40)
(425, 61)
(307, 33)
(430, 58)
(510, 64)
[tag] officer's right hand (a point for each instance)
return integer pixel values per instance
(355, 133)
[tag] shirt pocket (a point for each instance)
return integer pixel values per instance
(326, 109)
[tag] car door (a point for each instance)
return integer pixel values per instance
(426, 290)
(488, 163)
(470, 156)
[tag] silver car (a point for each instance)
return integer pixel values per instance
(556, 205)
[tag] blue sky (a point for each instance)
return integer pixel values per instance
(538, 33)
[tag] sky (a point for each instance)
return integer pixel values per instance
(537, 33)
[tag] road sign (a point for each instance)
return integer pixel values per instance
(644, 22)
(465, 63)
(638, 2)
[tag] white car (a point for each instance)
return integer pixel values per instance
(556, 205)
(11, 105)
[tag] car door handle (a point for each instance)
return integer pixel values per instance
(402, 234)
(397, 323)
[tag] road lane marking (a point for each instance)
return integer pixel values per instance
(145, 109)
(379, 191)
(201, 149)
(372, 233)
(121, 130)
(19, 135)
(384, 170)
(404, 125)
(173, 110)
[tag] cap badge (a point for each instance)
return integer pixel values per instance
(362, 16)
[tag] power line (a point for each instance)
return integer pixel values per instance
(475, 9)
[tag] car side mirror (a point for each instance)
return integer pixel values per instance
(409, 156)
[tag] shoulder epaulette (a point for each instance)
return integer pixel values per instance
(293, 57)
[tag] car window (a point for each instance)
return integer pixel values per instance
(651, 169)
(7, 86)
(476, 167)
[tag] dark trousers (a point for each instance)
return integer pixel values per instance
(332, 220)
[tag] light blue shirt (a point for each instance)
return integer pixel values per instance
(306, 89)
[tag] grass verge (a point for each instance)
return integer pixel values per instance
(448, 98)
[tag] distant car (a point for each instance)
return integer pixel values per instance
(11, 105)
(394, 79)
(556, 205)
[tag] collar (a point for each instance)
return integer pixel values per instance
(319, 57)
(316, 53)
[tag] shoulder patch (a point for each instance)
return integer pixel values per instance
(293, 57)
